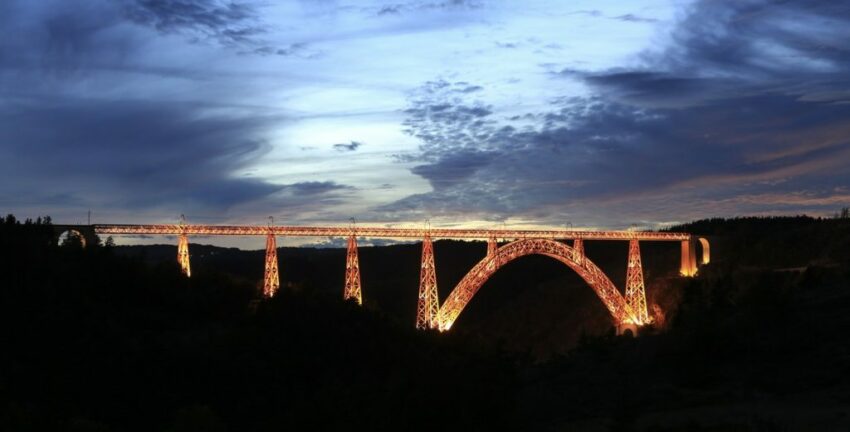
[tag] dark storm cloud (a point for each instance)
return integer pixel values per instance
(75, 133)
(737, 37)
(741, 104)
(228, 22)
(54, 39)
(314, 188)
(659, 89)
(445, 124)
(730, 49)
(352, 146)
(156, 154)
(453, 168)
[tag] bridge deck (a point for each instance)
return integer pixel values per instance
(381, 232)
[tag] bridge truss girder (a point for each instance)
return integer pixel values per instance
(457, 300)
(352, 272)
(271, 277)
(628, 309)
(428, 301)
(183, 255)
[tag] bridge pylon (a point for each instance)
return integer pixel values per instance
(271, 278)
(183, 254)
(578, 247)
(689, 258)
(492, 245)
(635, 290)
(428, 303)
(352, 272)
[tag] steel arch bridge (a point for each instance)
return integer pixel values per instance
(628, 309)
(621, 311)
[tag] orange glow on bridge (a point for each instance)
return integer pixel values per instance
(627, 307)
(382, 232)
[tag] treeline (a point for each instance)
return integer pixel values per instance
(758, 343)
(97, 340)
(777, 242)
(93, 341)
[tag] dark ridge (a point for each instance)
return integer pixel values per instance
(115, 339)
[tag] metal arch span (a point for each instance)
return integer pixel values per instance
(472, 282)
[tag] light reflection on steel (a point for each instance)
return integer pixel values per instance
(352, 272)
(706, 250)
(621, 312)
(183, 255)
(628, 309)
(428, 302)
(492, 245)
(394, 233)
(271, 279)
(688, 267)
(578, 246)
(635, 292)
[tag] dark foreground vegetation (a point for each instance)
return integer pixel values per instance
(116, 339)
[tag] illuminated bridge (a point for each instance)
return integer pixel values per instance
(627, 310)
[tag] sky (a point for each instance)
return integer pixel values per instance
(597, 114)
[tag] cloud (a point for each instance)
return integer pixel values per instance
(629, 17)
(658, 89)
(452, 168)
(591, 12)
(56, 38)
(634, 18)
(733, 108)
(390, 10)
(132, 153)
(229, 23)
(342, 242)
(352, 146)
(508, 45)
(738, 99)
(313, 188)
(420, 6)
(116, 142)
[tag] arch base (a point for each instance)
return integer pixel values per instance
(631, 327)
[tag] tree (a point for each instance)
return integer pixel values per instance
(72, 240)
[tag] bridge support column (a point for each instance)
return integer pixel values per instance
(428, 303)
(578, 246)
(352, 272)
(706, 250)
(635, 289)
(183, 254)
(492, 245)
(689, 259)
(271, 279)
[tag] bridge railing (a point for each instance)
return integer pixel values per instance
(382, 232)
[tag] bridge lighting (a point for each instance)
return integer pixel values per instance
(352, 288)
(628, 309)
(271, 277)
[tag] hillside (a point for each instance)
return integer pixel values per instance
(115, 339)
(534, 304)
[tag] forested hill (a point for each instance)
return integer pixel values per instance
(534, 304)
(777, 242)
(116, 339)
